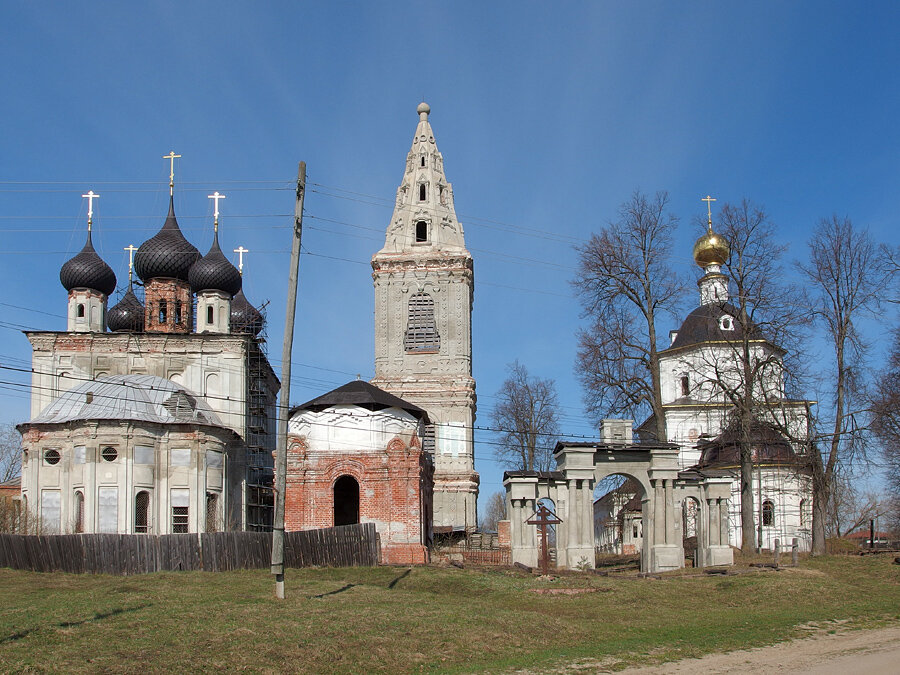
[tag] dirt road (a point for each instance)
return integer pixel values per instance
(860, 651)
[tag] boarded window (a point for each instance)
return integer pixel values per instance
(79, 512)
(143, 454)
(213, 459)
(142, 512)
(80, 454)
(108, 511)
(421, 333)
(50, 511)
(212, 512)
(180, 457)
(179, 499)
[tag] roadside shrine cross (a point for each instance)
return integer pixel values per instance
(240, 250)
(544, 518)
(709, 200)
(91, 196)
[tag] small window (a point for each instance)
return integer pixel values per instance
(685, 385)
(51, 456)
(142, 512)
(726, 323)
(768, 513)
(212, 512)
(179, 519)
(80, 311)
(422, 192)
(634, 530)
(178, 312)
(421, 232)
(79, 512)
(803, 515)
(163, 311)
(109, 454)
(423, 160)
(209, 314)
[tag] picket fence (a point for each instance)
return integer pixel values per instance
(344, 546)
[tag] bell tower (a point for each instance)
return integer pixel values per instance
(423, 323)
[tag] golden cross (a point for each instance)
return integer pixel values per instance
(709, 200)
(91, 196)
(240, 250)
(131, 248)
(216, 196)
(171, 157)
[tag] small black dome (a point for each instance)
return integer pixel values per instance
(167, 254)
(245, 318)
(213, 272)
(127, 315)
(87, 270)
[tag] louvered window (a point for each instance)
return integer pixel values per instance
(421, 333)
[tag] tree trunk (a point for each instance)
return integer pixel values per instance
(748, 533)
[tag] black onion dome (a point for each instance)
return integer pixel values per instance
(127, 315)
(213, 272)
(87, 270)
(167, 254)
(245, 318)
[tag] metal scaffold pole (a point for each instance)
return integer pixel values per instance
(285, 396)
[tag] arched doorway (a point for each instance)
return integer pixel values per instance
(618, 515)
(346, 501)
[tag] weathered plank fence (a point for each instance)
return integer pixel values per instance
(345, 546)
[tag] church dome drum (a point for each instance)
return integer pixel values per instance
(87, 270)
(127, 315)
(167, 254)
(245, 318)
(213, 272)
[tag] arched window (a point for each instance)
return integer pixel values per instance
(142, 512)
(177, 312)
(346, 501)
(423, 160)
(685, 385)
(163, 311)
(421, 333)
(421, 232)
(804, 517)
(80, 313)
(79, 512)
(768, 513)
(422, 192)
(209, 314)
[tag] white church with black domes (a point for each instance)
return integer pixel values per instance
(154, 415)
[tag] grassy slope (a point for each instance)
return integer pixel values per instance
(352, 620)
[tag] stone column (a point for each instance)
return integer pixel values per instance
(659, 509)
(671, 525)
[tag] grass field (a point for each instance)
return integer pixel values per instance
(428, 619)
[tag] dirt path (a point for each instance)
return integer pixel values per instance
(859, 651)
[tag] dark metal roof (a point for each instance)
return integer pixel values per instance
(768, 446)
(214, 272)
(167, 254)
(127, 315)
(702, 325)
(364, 395)
(245, 318)
(87, 270)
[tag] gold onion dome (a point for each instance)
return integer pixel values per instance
(711, 249)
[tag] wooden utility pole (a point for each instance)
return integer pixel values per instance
(285, 396)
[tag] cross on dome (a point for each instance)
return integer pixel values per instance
(709, 200)
(240, 250)
(171, 157)
(91, 196)
(216, 197)
(131, 248)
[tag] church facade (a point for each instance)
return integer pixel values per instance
(154, 415)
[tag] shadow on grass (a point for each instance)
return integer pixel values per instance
(98, 616)
(398, 579)
(340, 590)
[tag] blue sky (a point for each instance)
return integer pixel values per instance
(548, 116)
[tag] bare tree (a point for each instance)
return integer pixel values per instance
(625, 282)
(494, 512)
(10, 452)
(526, 419)
(886, 425)
(847, 277)
(847, 510)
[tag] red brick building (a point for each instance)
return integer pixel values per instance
(355, 455)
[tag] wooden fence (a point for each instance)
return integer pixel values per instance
(345, 546)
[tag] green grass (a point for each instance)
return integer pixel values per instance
(429, 619)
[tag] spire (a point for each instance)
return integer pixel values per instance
(424, 217)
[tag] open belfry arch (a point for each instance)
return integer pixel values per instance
(423, 280)
(663, 486)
